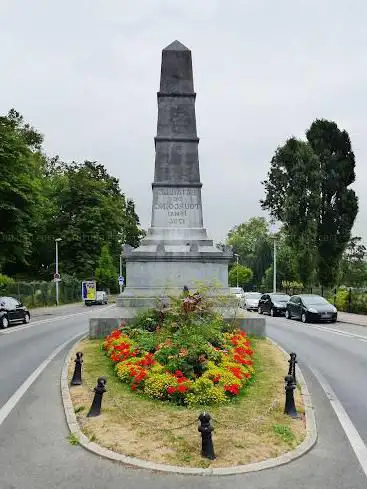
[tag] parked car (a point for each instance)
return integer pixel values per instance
(252, 300)
(12, 311)
(100, 298)
(274, 304)
(239, 293)
(309, 308)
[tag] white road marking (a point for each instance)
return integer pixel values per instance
(346, 334)
(350, 430)
(19, 393)
(20, 327)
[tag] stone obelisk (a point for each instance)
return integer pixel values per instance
(176, 250)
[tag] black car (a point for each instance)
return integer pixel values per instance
(12, 311)
(273, 304)
(309, 308)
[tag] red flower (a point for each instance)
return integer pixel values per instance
(216, 379)
(133, 387)
(233, 389)
(236, 371)
(181, 380)
(171, 389)
(182, 388)
(178, 373)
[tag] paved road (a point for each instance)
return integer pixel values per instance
(34, 452)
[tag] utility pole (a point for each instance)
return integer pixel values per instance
(120, 272)
(275, 266)
(237, 257)
(57, 269)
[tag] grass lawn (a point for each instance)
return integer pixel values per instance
(250, 429)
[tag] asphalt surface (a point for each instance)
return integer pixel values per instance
(35, 452)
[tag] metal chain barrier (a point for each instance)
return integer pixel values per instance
(258, 420)
(119, 405)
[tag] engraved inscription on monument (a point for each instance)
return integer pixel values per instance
(177, 207)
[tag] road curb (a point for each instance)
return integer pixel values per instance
(302, 449)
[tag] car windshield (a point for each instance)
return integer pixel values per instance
(280, 298)
(253, 295)
(315, 300)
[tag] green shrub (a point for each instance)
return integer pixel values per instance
(341, 300)
(5, 282)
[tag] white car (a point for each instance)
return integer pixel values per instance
(252, 300)
(240, 294)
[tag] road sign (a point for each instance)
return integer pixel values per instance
(57, 277)
(89, 290)
(121, 280)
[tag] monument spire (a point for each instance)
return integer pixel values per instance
(176, 143)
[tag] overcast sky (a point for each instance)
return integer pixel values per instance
(86, 73)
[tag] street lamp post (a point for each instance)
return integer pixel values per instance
(275, 266)
(120, 272)
(57, 269)
(274, 229)
(237, 257)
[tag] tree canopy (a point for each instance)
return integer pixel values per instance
(252, 242)
(106, 273)
(244, 275)
(44, 198)
(307, 189)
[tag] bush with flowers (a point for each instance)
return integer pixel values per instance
(183, 354)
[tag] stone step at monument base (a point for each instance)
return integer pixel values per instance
(103, 324)
(177, 235)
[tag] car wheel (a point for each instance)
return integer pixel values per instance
(272, 313)
(4, 322)
(287, 315)
(259, 310)
(26, 318)
(304, 317)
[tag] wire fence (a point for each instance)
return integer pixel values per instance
(346, 299)
(38, 294)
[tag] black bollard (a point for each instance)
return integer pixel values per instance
(207, 448)
(95, 409)
(292, 366)
(77, 376)
(290, 407)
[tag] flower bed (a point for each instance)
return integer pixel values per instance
(182, 355)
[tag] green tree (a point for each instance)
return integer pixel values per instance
(106, 273)
(292, 197)
(353, 266)
(338, 203)
(89, 210)
(307, 189)
(20, 156)
(244, 276)
(251, 241)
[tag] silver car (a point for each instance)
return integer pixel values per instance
(239, 293)
(252, 300)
